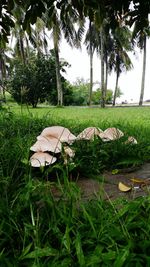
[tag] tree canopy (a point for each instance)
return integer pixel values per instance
(34, 9)
(107, 19)
(36, 81)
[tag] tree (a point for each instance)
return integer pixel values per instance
(21, 47)
(34, 9)
(97, 96)
(91, 44)
(119, 59)
(61, 22)
(140, 35)
(4, 69)
(91, 52)
(36, 81)
(139, 16)
(143, 73)
(80, 92)
(2, 72)
(102, 67)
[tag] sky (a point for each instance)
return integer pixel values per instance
(129, 82)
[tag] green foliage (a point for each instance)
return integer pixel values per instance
(36, 81)
(80, 91)
(93, 157)
(97, 96)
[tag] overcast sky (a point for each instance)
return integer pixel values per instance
(129, 82)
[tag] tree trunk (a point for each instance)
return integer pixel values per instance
(45, 43)
(58, 77)
(2, 75)
(22, 49)
(91, 68)
(143, 74)
(116, 88)
(102, 69)
(106, 76)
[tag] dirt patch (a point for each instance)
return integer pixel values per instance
(107, 185)
(108, 188)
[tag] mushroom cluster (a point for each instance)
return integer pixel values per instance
(55, 139)
(48, 143)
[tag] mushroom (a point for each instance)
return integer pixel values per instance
(89, 133)
(41, 159)
(131, 140)
(61, 133)
(68, 154)
(111, 134)
(56, 145)
(43, 144)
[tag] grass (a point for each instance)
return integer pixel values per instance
(38, 230)
(78, 118)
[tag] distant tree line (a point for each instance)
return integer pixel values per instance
(35, 83)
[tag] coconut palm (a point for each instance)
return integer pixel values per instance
(141, 31)
(4, 68)
(61, 22)
(2, 72)
(91, 42)
(53, 24)
(19, 37)
(143, 72)
(38, 37)
(140, 35)
(119, 59)
(96, 40)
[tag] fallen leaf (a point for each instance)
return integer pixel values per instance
(115, 171)
(124, 188)
(137, 180)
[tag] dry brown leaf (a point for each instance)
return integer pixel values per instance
(137, 180)
(124, 188)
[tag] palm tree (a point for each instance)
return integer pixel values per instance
(91, 42)
(4, 68)
(18, 34)
(140, 33)
(119, 59)
(96, 40)
(61, 22)
(53, 24)
(2, 72)
(143, 72)
(141, 37)
(38, 37)
(102, 67)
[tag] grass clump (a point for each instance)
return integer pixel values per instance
(39, 230)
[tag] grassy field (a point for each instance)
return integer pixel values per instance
(38, 230)
(76, 117)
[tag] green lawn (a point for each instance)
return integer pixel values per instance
(133, 120)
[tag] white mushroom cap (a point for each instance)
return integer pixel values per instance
(55, 144)
(40, 159)
(43, 145)
(89, 133)
(111, 134)
(59, 132)
(131, 140)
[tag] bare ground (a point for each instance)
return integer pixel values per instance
(108, 188)
(107, 184)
